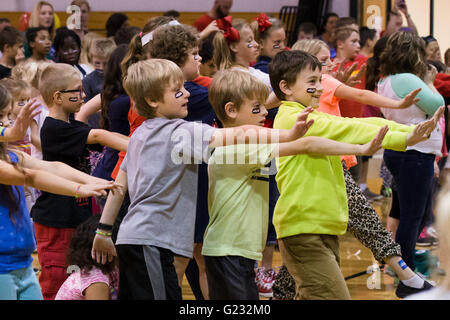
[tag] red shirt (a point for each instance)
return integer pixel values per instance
(350, 108)
(202, 22)
(203, 81)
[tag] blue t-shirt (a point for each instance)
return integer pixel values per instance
(17, 240)
(118, 122)
(263, 64)
(199, 109)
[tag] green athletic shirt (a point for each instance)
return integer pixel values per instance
(313, 197)
(238, 201)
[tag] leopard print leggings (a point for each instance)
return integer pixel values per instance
(363, 222)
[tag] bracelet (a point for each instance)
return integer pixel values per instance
(106, 234)
(2, 131)
(105, 227)
(76, 192)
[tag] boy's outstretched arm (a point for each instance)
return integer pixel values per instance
(49, 182)
(323, 146)
(107, 138)
(255, 134)
(423, 130)
(89, 108)
(103, 249)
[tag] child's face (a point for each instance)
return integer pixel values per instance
(42, 43)
(350, 47)
(175, 102)
(70, 51)
(5, 116)
(14, 52)
(274, 43)
(19, 102)
(208, 69)
(307, 89)
(246, 49)
(324, 57)
(73, 97)
(251, 112)
(191, 68)
(433, 52)
(46, 16)
(99, 62)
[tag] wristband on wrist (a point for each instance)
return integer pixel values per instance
(105, 227)
(106, 234)
(76, 192)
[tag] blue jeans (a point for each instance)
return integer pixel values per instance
(21, 284)
(412, 172)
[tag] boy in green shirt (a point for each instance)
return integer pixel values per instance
(239, 184)
(312, 209)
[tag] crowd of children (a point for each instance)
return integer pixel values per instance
(132, 160)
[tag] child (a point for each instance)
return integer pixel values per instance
(67, 46)
(160, 220)
(30, 72)
(11, 44)
(361, 213)
(17, 278)
(307, 30)
(239, 192)
(271, 37)
(368, 38)
(93, 83)
(68, 141)
(307, 217)
(91, 280)
(40, 43)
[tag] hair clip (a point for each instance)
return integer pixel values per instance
(149, 36)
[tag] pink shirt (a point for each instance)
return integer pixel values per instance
(75, 285)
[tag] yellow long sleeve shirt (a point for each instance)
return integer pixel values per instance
(313, 197)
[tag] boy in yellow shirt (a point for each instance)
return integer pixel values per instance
(312, 209)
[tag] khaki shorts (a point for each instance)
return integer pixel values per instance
(313, 262)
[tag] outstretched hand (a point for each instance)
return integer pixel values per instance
(301, 126)
(103, 249)
(23, 120)
(423, 130)
(410, 99)
(375, 144)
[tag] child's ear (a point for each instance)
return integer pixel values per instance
(151, 103)
(57, 98)
(230, 110)
(233, 46)
(284, 87)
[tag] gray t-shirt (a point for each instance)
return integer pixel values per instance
(161, 164)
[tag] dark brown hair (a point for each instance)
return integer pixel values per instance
(286, 65)
(404, 53)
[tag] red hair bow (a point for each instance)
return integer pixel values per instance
(263, 22)
(225, 24)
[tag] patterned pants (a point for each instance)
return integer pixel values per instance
(363, 222)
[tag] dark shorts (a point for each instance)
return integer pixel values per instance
(231, 278)
(147, 273)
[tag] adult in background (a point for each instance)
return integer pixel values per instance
(327, 31)
(85, 9)
(220, 10)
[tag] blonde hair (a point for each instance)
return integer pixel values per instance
(80, 3)
(236, 86)
(34, 17)
(443, 227)
(56, 77)
(311, 46)
(29, 71)
(15, 86)
(86, 46)
(149, 79)
(103, 48)
(223, 56)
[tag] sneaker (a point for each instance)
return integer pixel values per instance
(422, 262)
(386, 191)
(426, 238)
(371, 196)
(403, 290)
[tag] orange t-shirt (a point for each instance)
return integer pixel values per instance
(203, 81)
(135, 121)
(329, 103)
